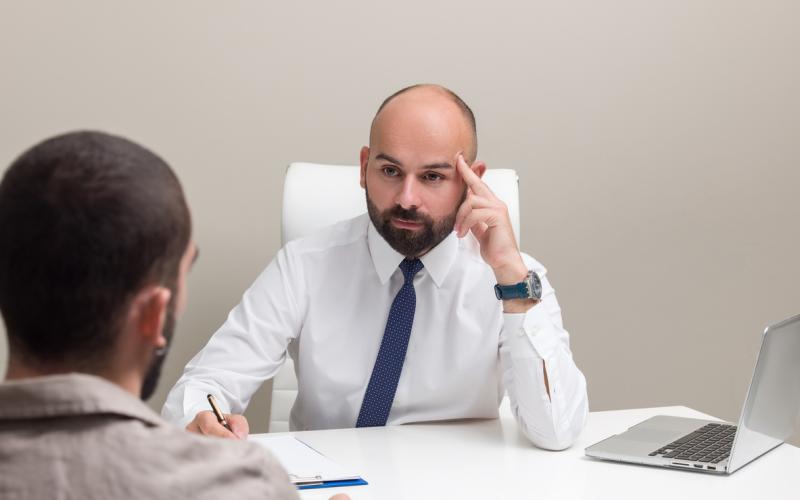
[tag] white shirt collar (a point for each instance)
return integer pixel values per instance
(386, 259)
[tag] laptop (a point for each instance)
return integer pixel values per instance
(767, 420)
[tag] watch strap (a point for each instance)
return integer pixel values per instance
(521, 290)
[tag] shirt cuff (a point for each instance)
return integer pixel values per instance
(533, 328)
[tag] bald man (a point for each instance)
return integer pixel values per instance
(422, 309)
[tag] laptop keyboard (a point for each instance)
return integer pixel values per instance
(710, 444)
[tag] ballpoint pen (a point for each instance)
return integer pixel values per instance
(217, 412)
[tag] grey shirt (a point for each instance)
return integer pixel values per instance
(82, 437)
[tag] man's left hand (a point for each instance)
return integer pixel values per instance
(486, 216)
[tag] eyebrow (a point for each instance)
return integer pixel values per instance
(440, 165)
(384, 156)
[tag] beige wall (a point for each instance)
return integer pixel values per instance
(657, 145)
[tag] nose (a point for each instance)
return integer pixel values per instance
(408, 197)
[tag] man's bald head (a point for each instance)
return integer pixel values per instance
(432, 95)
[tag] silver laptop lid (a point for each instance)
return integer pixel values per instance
(773, 399)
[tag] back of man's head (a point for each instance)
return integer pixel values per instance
(86, 220)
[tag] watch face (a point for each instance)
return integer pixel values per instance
(537, 285)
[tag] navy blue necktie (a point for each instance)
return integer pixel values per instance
(382, 385)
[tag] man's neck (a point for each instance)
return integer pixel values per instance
(20, 370)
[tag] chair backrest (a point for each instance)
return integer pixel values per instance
(316, 196)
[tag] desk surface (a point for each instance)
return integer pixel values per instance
(490, 459)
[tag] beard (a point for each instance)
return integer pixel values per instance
(409, 243)
(154, 372)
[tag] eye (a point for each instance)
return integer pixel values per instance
(432, 177)
(390, 171)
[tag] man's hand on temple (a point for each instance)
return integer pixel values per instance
(206, 423)
(487, 217)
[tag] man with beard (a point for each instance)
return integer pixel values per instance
(96, 246)
(392, 317)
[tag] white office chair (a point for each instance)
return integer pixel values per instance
(316, 196)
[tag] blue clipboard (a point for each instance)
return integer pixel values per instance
(332, 484)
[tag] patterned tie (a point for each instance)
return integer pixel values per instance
(383, 383)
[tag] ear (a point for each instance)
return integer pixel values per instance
(479, 168)
(364, 161)
(148, 313)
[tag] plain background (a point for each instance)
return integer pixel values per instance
(657, 144)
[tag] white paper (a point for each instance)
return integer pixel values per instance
(303, 463)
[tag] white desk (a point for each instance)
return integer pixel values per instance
(490, 459)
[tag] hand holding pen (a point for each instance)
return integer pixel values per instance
(225, 422)
(215, 423)
(217, 412)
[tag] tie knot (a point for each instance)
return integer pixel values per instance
(410, 268)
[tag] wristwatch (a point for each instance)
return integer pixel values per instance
(529, 288)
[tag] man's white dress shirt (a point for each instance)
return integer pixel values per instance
(325, 300)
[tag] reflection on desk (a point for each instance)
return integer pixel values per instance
(490, 459)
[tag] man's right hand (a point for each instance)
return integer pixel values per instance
(206, 423)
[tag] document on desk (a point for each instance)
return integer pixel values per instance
(307, 467)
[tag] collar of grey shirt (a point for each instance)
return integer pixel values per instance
(73, 394)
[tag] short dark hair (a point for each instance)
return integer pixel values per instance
(465, 109)
(86, 220)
